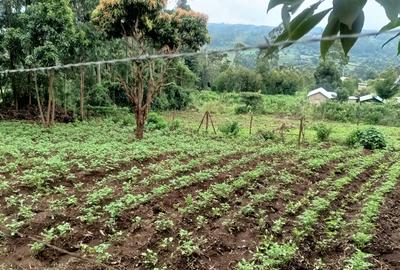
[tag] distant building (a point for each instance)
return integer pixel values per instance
(398, 100)
(353, 99)
(320, 95)
(344, 78)
(362, 86)
(371, 98)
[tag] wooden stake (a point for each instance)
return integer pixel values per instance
(82, 89)
(301, 131)
(251, 123)
(207, 119)
(212, 123)
(202, 121)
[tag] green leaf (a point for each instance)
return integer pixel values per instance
(398, 49)
(286, 17)
(304, 15)
(356, 28)
(274, 3)
(347, 11)
(308, 24)
(392, 8)
(391, 25)
(331, 29)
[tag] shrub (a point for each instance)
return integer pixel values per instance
(230, 129)
(253, 102)
(323, 132)
(283, 82)
(173, 97)
(354, 138)
(99, 96)
(174, 124)
(238, 79)
(155, 122)
(369, 138)
(267, 135)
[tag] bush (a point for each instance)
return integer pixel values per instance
(369, 138)
(323, 132)
(172, 98)
(238, 79)
(267, 135)
(283, 82)
(232, 129)
(242, 110)
(99, 96)
(174, 125)
(155, 122)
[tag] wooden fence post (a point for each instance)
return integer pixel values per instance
(251, 122)
(301, 131)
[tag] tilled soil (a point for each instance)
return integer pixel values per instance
(386, 244)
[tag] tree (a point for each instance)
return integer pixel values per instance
(348, 88)
(344, 17)
(327, 76)
(183, 4)
(283, 82)
(151, 30)
(11, 37)
(386, 86)
(50, 32)
(238, 79)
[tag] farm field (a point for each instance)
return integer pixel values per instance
(181, 200)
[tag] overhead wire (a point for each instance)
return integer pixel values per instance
(147, 57)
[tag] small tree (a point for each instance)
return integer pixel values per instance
(386, 86)
(327, 75)
(149, 29)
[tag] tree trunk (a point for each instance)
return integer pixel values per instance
(82, 95)
(140, 121)
(65, 95)
(39, 102)
(98, 74)
(30, 89)
(51, 102)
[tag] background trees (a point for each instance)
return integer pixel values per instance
(327, 76)
(386, 86)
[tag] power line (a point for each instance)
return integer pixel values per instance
(147, 57)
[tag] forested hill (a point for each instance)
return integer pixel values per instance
(367, 50)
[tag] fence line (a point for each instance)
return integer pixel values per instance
(264, 46)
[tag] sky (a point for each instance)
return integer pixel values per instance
(255, 12)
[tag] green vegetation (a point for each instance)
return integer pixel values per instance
(114, 170)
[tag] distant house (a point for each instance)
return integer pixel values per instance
(362, 86)
(353, 99)
(371, 98)
(398, 100)
(320, 95)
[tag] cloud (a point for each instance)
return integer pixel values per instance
(255, 12)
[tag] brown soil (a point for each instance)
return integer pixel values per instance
(31, 113)
(386, 244)
(338, 250)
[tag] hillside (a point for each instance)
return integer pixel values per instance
(367, 51)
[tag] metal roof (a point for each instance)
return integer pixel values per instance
(324, 92)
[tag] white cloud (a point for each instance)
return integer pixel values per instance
(255, 12)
